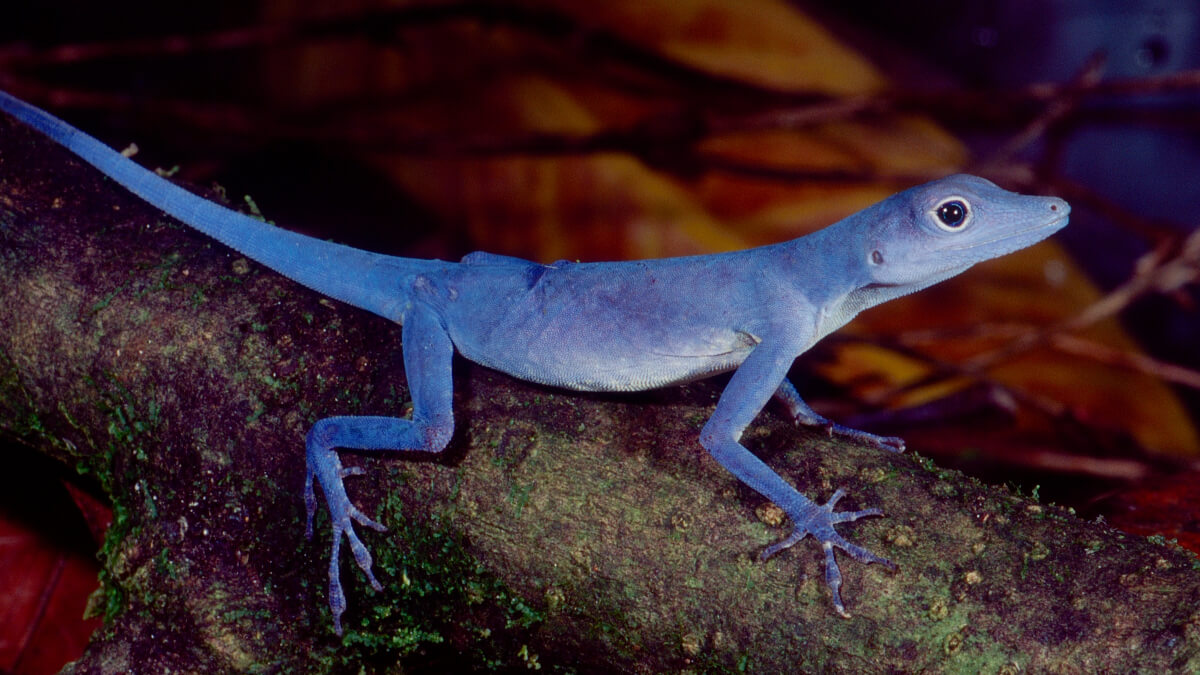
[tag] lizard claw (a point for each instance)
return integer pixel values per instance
(818, 520)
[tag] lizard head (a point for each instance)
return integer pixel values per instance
(936, 230)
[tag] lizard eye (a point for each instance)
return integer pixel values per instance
(952, 215)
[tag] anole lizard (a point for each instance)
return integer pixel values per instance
(615, 326)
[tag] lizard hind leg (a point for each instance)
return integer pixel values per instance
(428, 353)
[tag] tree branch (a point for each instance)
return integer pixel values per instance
(561, 529)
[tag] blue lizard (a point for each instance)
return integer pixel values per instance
(615, 326)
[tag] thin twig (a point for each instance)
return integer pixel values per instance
(1134, 361)
(1056, 109)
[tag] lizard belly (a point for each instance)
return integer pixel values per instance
(612, 358)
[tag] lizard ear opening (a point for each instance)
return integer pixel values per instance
(876, 257)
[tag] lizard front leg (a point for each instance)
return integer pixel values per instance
(803, 414)
(428, 354)
(747, 392)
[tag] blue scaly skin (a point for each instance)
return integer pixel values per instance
(616, 326)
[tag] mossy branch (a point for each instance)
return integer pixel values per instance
(561, 530)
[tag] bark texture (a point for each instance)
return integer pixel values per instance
(566, 531)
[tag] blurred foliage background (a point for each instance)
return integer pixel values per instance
(552, 129)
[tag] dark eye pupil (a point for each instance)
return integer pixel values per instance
(952, 213)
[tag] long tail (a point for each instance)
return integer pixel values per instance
(368, 280)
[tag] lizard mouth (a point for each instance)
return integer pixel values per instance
(1018, 238)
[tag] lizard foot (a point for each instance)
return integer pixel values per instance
(324, 464)
(818, 520)
(889, 443)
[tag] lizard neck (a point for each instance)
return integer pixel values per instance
(866, 297)
(828, 268)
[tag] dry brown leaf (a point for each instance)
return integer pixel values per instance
(765, 42)
(599, 207)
